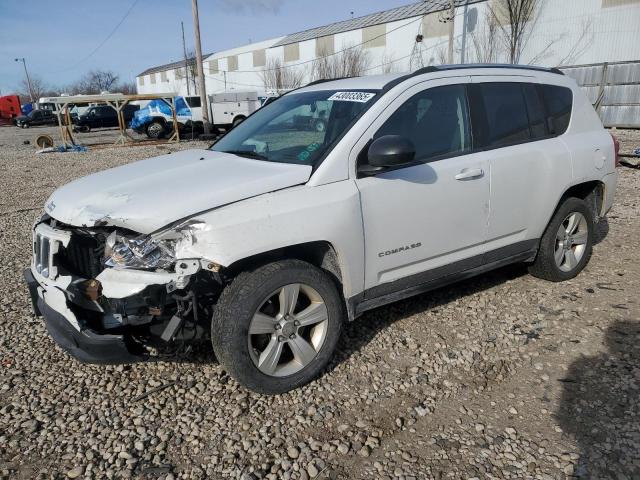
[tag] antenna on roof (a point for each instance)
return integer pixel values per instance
(351, 15)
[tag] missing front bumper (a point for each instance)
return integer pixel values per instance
(86, 345)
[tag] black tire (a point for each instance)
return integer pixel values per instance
(237, 121)
(545, 266)
(155, 130)
(243, 297)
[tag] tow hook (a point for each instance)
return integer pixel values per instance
(186, 306)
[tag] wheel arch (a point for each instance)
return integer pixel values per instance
(158, 119)
(239, 117)
(591, 192)
(321, 254)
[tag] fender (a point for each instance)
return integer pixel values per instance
(298, 215)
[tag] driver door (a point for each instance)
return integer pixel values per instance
(429, 219)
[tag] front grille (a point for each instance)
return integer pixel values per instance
(82, 256)
(42, 254)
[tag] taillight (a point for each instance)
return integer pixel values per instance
(616, 147)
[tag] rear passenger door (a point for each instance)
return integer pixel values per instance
(529, 165)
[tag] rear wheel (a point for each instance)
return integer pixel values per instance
(566, 246)
(155, 130)
(237, 121)
(276, 327)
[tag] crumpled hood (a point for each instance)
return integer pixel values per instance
(145, 196)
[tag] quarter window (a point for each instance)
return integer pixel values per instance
(435, 120)
(559, 102)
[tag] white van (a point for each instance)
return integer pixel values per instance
(227, 110)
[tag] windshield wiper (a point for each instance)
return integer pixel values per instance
(247, 154)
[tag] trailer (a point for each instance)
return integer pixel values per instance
(9, 108)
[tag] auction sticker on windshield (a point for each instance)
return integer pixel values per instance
(362, 97)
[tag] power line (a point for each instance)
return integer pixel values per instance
(135, 2)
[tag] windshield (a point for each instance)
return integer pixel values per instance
(297, 128)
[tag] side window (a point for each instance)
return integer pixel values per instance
(193, 102)
(506, 114)
(535, 111)
(559, 102)
(435, 120)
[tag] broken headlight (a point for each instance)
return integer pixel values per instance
(138, 252)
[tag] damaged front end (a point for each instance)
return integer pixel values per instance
(109, 295)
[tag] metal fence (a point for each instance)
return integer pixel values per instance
(614, 90)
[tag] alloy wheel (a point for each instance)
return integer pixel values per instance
(571, 241)
(288, 330)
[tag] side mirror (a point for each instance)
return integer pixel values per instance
(391, 151)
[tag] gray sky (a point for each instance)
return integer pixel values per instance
(59, 38)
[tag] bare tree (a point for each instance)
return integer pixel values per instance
(279, 78)
(389, 64)
(95, 82)
(583, 43)
(128, 88)
(416, 59)
(350, 62)
(442, 56)
(484, 40)
(39, 88)
(192, 71)
(515, 20)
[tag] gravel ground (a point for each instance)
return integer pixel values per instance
(502, 376)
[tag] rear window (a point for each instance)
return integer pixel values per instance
(506, 113)
(558, 102)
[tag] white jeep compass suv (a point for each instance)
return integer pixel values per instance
(268, 241)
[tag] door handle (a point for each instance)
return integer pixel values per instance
(469, 174)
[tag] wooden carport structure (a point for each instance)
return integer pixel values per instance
(115, 100)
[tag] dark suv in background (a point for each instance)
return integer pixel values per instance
(36, 117)
(103, 116)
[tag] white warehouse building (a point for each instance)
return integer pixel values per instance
(562, 33)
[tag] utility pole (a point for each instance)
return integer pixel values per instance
(203, 92)
(186, 61)
(452, 16)
(463, 47)
(26, 73)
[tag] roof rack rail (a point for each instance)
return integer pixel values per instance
(323, 80)
(444, 68)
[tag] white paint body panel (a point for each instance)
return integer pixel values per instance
(293, 216)
(147, 195)
(423, 204)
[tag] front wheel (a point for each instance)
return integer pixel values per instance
(567, 243)
(155, 130)
(276, 327)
